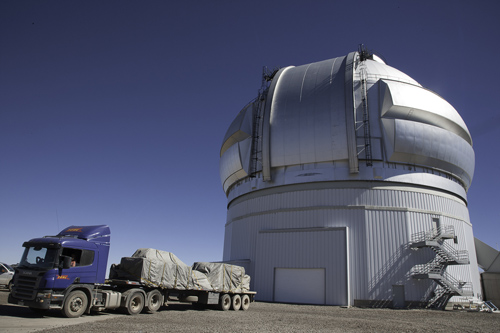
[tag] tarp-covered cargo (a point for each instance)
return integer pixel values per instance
(162, 269)
(224, 277)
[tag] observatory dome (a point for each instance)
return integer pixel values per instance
(346, 119)
(340, 176)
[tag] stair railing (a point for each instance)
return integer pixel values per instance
(452, 254)
(433, 234)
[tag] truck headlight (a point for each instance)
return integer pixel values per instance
(43, 295)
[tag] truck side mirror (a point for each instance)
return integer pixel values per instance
(64, 262)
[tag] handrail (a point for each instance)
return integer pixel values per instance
(435, 269)
(433, 234)
(450, 281)
(454, 254)
(460, 286)
(432, 267)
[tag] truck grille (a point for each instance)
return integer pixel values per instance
(25, 287)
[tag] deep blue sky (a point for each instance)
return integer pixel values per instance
(113, 112)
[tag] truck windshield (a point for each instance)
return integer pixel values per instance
(38, 257)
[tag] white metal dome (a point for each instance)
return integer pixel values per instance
(314, 115)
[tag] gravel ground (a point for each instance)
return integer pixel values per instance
(272, 317)
(264, 317)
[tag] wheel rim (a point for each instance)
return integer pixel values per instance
(76, 304)
(135, 303)
(245, 302)
(155, 300)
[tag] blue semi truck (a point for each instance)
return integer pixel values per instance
(67, 272)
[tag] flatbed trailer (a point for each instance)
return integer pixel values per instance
(135, 297)
(67, 272)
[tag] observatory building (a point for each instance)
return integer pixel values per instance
(346, 183)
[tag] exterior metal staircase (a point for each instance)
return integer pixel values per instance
(436, 268)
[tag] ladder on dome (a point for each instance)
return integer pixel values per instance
(259, 105)
(365, 123)
(448, 286)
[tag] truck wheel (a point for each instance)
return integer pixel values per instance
(10, 286)
(154, 301)
(135, 303)
(235, 302)
(225, 302)
(75, 304)
(245, 302)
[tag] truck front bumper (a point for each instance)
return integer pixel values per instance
(44, 300)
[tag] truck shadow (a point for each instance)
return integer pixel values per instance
(16, 311)
(8, 310)
(186, 307)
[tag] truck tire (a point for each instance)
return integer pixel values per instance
(75, 304)
(235, 302)
(225, 302)
(154, 300)
(245, 302)
(135, 303)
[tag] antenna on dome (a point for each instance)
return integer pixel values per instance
(267, 77)
(364, 53)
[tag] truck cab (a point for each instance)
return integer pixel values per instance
(53, 266)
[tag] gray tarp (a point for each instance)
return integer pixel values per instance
(162, 269)
(224, 277)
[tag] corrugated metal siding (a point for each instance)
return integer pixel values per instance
(330, 198)
(387, 252)
(303, 249)
(381, 223)
(228, 236)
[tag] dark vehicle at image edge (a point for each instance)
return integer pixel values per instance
(67, 272)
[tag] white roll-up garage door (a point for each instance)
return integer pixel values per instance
(302, 266)
(299, 285)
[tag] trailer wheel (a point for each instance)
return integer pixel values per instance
(245, 302)
(75, 304)
(154, 301)
(235, 302)
(135, 303)
(225, 302)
